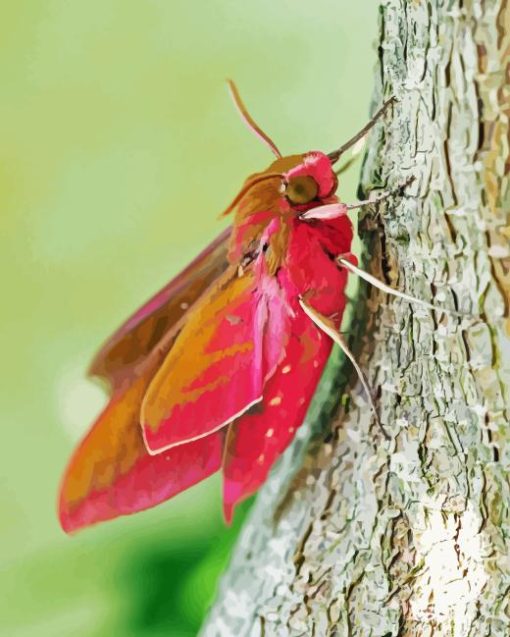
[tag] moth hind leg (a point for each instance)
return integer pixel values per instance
(326, 326)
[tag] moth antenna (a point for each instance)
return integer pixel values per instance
(386, 288)
(335, 155)
(249, 121)
(328, 328)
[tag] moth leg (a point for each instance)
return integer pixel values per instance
(336, 154)
(368, 202)
(369, 278)
(326, 326)
(386, 194)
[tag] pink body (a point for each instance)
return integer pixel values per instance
(259, 438)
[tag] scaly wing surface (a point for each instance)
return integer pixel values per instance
(220, 362)
(111, 473)
(126, 349)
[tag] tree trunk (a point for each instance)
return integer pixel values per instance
(408, 536)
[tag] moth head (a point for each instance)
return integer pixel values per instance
(306, 180)
(312, 181)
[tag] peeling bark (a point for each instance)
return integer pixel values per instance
(360, 536)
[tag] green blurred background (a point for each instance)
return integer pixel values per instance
(118, 148)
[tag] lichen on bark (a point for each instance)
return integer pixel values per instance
(366, 537)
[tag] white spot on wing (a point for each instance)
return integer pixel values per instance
(233, 319)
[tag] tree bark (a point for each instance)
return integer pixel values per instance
(363, 536)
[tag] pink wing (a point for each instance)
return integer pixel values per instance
(131, 343)
(216, 370)
(256, 440)
(111, 473)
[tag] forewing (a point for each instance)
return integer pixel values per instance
(130, 344)
(111, 473)
(255, 440)
(210, 374)
(217, 368)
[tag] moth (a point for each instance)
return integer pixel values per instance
(218, 369)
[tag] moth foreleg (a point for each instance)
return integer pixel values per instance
(386, 194)
(326, 326)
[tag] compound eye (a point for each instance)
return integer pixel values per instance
(302, 189)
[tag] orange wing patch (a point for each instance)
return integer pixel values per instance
(111, 473)
(212, 373)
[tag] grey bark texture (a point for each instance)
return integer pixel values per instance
(353, 534)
